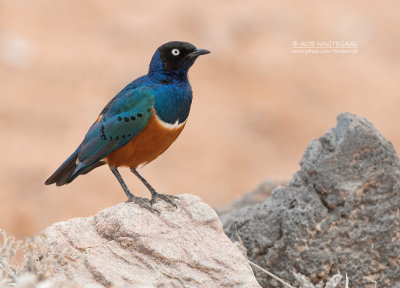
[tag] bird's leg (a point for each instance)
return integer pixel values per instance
(154, 193)
(131, 198)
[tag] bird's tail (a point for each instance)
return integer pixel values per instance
(71, 169)
(65, 171)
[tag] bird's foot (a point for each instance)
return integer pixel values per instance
(143, 202)
(167, 198)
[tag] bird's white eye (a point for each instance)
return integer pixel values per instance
(175, 52)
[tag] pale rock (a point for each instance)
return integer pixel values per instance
(128, 246)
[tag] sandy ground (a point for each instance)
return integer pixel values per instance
(257, 105)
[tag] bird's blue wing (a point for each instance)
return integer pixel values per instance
(122, 120)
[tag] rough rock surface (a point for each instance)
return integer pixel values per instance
(340, 213)
(127, 246)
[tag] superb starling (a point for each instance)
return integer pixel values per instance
(139, 123)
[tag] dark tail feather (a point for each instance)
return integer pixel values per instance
(60, 177)
(69, 170)
(83, 170)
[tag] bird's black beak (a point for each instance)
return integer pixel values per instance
(198, 52)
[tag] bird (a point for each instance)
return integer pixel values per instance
(139, 123)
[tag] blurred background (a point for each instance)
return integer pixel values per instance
(256, 104)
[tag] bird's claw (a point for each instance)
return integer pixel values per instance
(167, 198)
(143, 202)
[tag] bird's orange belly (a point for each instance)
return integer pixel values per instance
(151, 142)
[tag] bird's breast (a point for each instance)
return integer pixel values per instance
(151, 142)
(173, 101)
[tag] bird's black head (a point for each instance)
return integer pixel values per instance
(175, 56)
